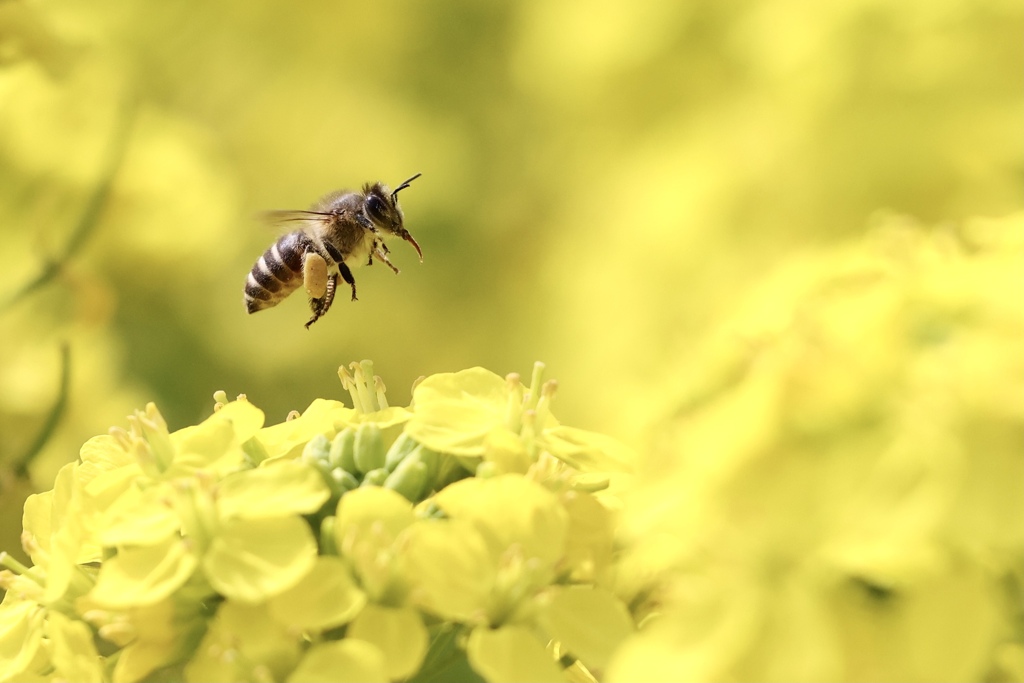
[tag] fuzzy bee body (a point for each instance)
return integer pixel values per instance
(342, 231)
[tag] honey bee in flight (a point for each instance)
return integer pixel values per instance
(340, 232)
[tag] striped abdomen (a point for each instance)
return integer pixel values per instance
(278, 272)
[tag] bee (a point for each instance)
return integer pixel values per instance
(343, 230)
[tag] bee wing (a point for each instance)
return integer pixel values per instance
(288, 221)
(284, 217)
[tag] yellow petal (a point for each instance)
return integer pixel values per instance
(251, 560)
(372, 512)
(287, 439)
(64, 577)
(101, 454)
(216, 442)
(589, 451)
(590, 535)
(21, 634)
(388, 417)
(106, 487)
(590, 623)
(45, 512)
(282, 488)
(344, 661)
(510, 509)
(510, 653)
(153, 636)
(505, 449)
(398, 632)
(455, 570)
(243, 643)
(915, 612)
(74, 654)
(139, 659)
(326, 597)
(143, 576)
(37, 526)
(138, 517)
(454, 412)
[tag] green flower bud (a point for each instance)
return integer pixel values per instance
(487, 470)
(409, 479)
(342, 481)
(316, 452)
(327, 543)
(402, 446)
(375, 477)
(343, 450)
(450, 470)
(369, 445)
(432, 460)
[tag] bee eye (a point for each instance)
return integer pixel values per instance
(375, 207)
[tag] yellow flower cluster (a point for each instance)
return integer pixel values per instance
(369, 543)
(839, 495)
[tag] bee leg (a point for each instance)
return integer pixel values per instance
(314, 274)
(346, 274)
(383, 256)
(323, 304)
(366, 223)
(333, 252)
(328, 298)
(315, 306)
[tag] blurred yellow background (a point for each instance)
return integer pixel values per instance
(601, 181)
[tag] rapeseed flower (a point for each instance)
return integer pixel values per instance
(342, 537)
(840, 495)
(837, 495)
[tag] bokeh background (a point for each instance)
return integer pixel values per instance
(601, 182)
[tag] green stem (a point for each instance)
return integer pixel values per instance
(441, 655)
(6, 560)
(90, 216)
(21, 465)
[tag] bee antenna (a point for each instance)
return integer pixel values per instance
(405, 184)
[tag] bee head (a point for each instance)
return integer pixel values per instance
(382, 208)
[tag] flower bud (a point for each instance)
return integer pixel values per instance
(328, 546)
(316, 452)
(487, 470)
(342, 481)
(343, 450)
(409, 479)
(375, 477)
(369, 445)
(431, 459)
(402, 446)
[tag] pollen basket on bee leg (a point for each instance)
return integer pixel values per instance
(314, 275)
